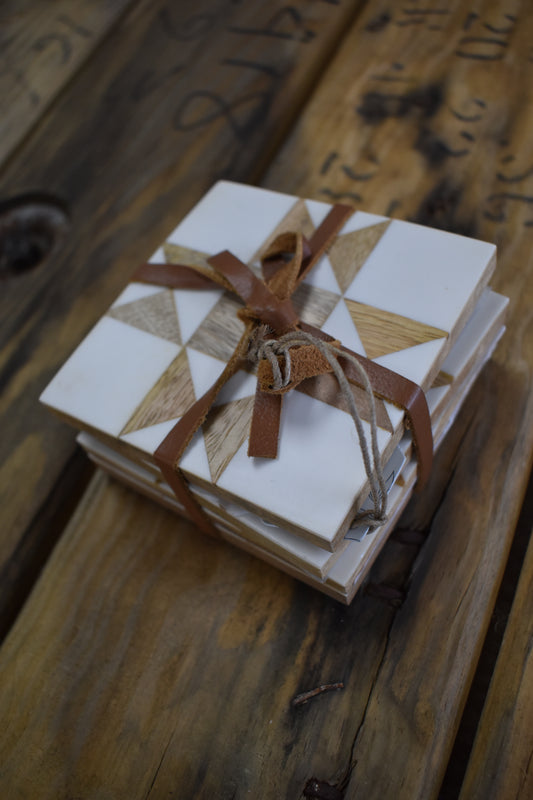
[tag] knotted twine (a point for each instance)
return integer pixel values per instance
(307, 351)
(271, 349)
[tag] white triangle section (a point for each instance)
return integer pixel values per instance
(158, 257)
(149, 439)
(193, 306)
(395, 414)
(241, 385)
(317, 211)
(340, 325)
(136, 291)
(323, 277)
(232, 216)
(195, 460)
(205, 370)
(413, 362)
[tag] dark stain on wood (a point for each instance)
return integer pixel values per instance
(441, 209)
(435, 150)
(379, 22)
(423, 102)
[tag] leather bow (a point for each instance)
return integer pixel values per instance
(268, 308)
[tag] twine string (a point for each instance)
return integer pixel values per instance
(272, 349)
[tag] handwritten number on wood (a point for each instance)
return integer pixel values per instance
(60, 39)
(482, 47)
(202, 107)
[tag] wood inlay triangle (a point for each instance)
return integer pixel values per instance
(154, 314)
(170, 397)
(226, 428)
(348, 253)
(297, 219)
(221, 330)
(176, 254)
(314, 305)
(383, 332)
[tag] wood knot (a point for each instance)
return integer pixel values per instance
(31, 227)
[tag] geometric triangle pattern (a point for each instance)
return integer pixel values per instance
(177, 254)
(154, 314)
(297, 219)
(225, 430)
(170, 397)
(314, 305)
(349, 252)
(221, 330)
(383, 332)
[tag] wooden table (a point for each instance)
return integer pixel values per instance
(139, 659)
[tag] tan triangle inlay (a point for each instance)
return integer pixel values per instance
(176, 254)
(154, 314)
(383, 332)
(221, 331)
(442, 379)
(297, 219)
(349, 252)
(314, 305)
(170, 397)
(225, 430)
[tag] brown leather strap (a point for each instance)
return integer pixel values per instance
(173, 276)
(271, 304)
(324, 235)
(259, 299)
(307, 361)
(264, 430)
(169, 453)
(283, 278)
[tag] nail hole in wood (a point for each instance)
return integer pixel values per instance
(31, 228)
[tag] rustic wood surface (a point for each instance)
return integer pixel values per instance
(152, 662)
(501, 764)
(208, 81)
(40, 50)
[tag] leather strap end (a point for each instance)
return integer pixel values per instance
(264, 430)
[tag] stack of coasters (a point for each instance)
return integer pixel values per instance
(412, 299)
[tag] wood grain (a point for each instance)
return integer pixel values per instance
(408, 140)
(382, 332)
(151, 661)
(225, 431)
(501, 764)
(349, 252)
(174, 98)
(435, 640)
(41, 48)
(170, 397)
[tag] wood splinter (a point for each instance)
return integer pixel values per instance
(300, 699)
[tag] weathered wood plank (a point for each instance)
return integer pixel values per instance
(175, 97)
(501, 763)
(41, 47)
(438, 134)
(175, 653)
(189, 646)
